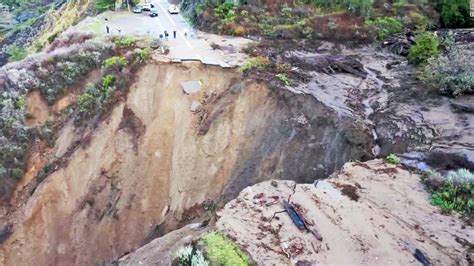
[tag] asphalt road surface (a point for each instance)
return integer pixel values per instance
(187, 45)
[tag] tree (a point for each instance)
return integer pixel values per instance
(104, 5)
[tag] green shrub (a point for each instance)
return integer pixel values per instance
(220, 250)
(17, 173)
(284, 78)
(455, 13)
(417, 20)
(20, 102)
(385, 26)
(451, 73)
(226, 12)
(104, 5)
(360, 7)
(87, 103)
(125, 41)
(457, 193)
(393, 159)
(115, 61)
(426, 47)
(143, 55)
(259, 62)
(16, 53)
(286, 11)
(97, 95)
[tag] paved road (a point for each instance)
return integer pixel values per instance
(190, 47)
(182, 46)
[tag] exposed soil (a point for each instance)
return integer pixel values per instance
(390, 220)
(37, 109)
(150, 163)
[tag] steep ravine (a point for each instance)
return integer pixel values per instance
(154, 164)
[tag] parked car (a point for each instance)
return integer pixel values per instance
(138, 9)
(153, 12)
(148, 6)
(173, 9)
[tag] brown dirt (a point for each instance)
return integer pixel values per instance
(37, 110)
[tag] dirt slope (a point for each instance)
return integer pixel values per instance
(153, 164)
(387, 218)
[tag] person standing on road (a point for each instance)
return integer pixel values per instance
(174, 34)
(166, 35)
(107, 28)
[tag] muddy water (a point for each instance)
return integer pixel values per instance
(378, 97)
(153, 164)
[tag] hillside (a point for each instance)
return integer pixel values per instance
(177, 139)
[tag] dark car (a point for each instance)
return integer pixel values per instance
(153, 12)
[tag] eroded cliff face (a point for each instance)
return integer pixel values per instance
(162, 158)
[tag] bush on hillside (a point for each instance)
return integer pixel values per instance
(115, 61)
(393, 159)
(455, 192)
(426, 47)
(259, 62)
(16, 53)
(360, 7)
(104, 5)
(385, 26)
(451, 73)
(125, 41)
(455, 13)
(226, 12)
(96, 96)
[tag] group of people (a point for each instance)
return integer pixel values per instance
(165, 33)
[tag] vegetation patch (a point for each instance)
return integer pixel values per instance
(142, 54)
(393, 159)
(104, 5)
(115, 61)
(455, 192)
(97, 95)
(259, 62)
(284, 78)
(451, 73)
(220, 250)
(427, 46)
(16, 53)
(61, 71)
(385, 26)
(125, 41)
(455, 13)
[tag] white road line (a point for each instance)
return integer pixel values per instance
(180, 33)
(167, 15)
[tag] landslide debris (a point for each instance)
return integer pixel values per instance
(389, 221)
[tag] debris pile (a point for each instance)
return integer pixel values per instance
(353, 213)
